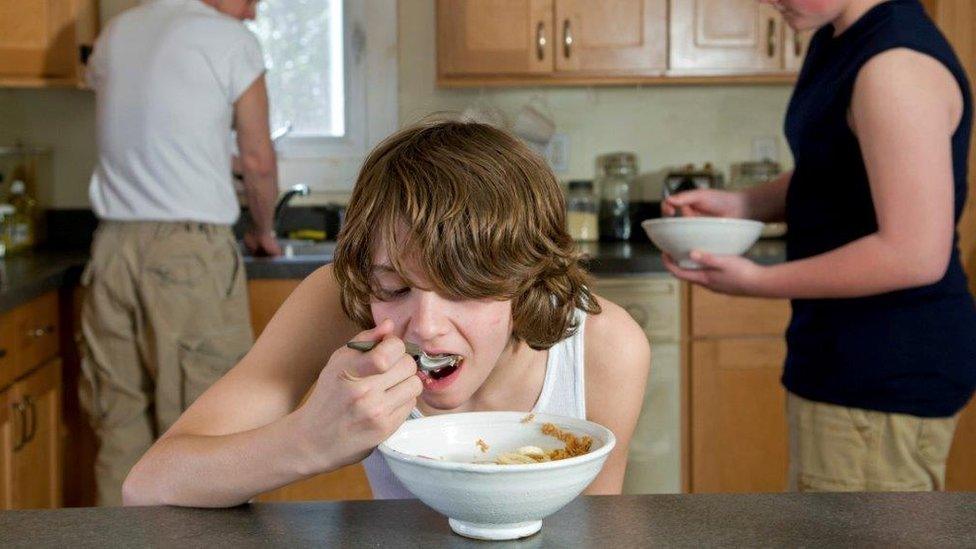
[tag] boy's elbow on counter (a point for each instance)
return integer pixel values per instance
(138, 490)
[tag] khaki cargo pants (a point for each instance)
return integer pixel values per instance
(839, 449)
(165, 315)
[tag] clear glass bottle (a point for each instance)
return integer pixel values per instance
(581, 212)
(22, 223)
(6, 220)
(616, 174)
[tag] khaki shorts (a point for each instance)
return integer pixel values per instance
(839, 449)
(165, 315)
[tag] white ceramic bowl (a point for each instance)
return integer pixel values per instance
(484, 500)
(679, 236)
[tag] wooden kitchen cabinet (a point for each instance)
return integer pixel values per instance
(616, 37)
(737, 405)
(35, 459)
(738, 420)
(738, 429)
(44, 42)
(347, 483)
(6, 448)
(556, 41)
(28, 337)
(489, 37)
(725, 36)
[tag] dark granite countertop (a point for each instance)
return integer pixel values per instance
(26, 276)
(617, 259)
(707, 520)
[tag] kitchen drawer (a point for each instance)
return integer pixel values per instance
(30, 336)
(718, 315)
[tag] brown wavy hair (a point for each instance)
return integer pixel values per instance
(483, 216)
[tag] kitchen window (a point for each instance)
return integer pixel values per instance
(332, 77)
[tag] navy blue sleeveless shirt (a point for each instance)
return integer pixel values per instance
(910, 351)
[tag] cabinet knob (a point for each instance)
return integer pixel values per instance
(41, 332)
(30, 419)
(567, 39)
(3, 353)
(540, 41)
(84, 52)
(20, 412)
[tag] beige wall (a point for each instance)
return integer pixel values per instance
(665, 126)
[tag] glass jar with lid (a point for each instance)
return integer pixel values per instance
(616, 173)
(581, 212)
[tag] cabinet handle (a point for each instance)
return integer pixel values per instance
(567, 39)
(41, 332)
(3, 353)
(31, 409)
(797, 45)
(84, 52)
(771, 38)
(540, 41)
(19, 409)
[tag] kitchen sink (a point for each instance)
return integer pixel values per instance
(302, 248)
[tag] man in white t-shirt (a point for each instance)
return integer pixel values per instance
(166, 311)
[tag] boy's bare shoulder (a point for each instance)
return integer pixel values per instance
(614, 340)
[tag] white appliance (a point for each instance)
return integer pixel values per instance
(654, 461)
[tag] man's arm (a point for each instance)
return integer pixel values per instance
(259, 166)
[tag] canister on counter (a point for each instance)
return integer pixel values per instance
(581, 211)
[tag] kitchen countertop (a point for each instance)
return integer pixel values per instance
(702, 520)
(616, 259)
(26, 276)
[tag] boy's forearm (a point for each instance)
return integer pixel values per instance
(767, 202)
(864, 267)
(219, 471)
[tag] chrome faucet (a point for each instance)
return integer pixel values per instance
(300, 189)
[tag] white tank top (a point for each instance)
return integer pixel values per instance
(563, 393)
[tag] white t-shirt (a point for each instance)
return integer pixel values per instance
(166, 75)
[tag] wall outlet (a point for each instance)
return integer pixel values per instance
(557, 153)
(765, 148)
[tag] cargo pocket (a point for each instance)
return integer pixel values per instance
(88, 391)
(206, 358)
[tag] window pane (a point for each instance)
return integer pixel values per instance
(302, 43)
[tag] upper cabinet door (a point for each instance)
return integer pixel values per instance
(37, 38)
(491, 37)
(725, 36)
(795, 48)
(42, 40)
(620, 36)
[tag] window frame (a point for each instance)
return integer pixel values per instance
(370, 84)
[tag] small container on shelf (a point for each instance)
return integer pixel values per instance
(581, 212)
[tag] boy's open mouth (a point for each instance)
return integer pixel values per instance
(441, 378)
(441, 373)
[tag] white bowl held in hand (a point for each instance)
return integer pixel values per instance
(434, 457)
(679, 236)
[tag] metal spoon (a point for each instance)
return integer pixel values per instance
(425, 362)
